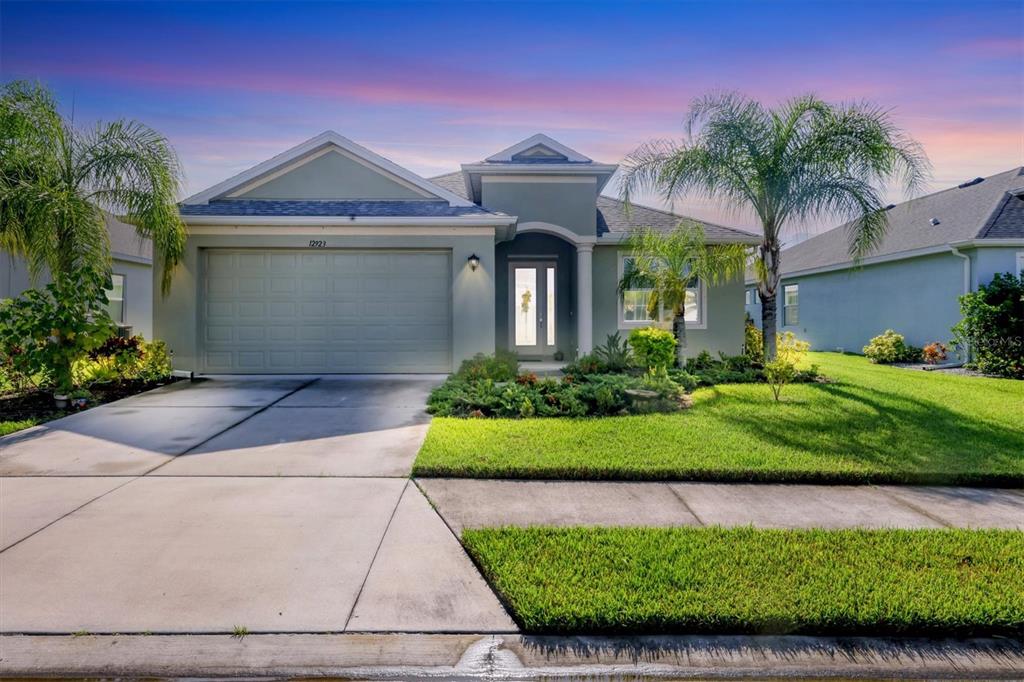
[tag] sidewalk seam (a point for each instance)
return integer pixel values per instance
(686, 505)
(373, 560)
(915, 508)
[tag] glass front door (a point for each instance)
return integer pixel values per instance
(532, 308)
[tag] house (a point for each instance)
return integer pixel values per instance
(937, 247)
(330, 258)
(130, 298)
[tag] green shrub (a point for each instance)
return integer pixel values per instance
(753, 342)
(653, 347)
(502, 366)
(782, 369)
(124, 359)
(614, 353)
(891, 347)
(45, 332)
(585, 365)
(993, 326)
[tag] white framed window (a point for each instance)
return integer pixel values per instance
(633, 305)
(1020, 262)
(751, 297)
(115, 298)
(791, 305)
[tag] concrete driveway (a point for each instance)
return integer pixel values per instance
(271, 504)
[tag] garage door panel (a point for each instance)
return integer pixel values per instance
(326, 311)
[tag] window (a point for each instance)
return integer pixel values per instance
(115, 298)
(791, 305)
(1020, 262)
(751, 296)
(633, 310)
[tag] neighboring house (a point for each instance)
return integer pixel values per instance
(131, 298)
(937, 247)
(330, 258)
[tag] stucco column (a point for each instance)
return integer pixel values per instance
(585, 297)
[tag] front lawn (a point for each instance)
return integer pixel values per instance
(742, 580)
(873, 424)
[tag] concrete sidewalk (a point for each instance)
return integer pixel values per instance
(468, 503)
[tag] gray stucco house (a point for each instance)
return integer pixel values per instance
(131, 298)
(937, 248)
(330, 258)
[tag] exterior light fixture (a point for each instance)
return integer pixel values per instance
(474, 261)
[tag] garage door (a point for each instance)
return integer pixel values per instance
(316, 311)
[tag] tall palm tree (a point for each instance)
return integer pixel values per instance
(56, 181)
(669, 264)
(804, 160)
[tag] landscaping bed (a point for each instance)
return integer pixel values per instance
(871, 424)
(744, 580)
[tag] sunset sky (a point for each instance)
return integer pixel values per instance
(431, 85)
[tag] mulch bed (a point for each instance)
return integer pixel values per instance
(38, 405)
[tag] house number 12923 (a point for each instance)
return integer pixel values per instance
(317, 244)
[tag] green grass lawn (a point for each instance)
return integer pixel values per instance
(10, 426)
(742, 580)
(873, 424)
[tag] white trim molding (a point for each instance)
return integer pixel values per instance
(625, 325)
(194, 221)
(581, 179)
(557, 231)
(541, 140)
(325, 139)
(344, 230)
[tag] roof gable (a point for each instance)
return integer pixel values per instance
(538, 147)
(327, 166)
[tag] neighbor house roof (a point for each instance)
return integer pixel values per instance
(264, 207)
(613, 218)
(126, 242)
(984, 208)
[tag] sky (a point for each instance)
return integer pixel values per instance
(431, 85)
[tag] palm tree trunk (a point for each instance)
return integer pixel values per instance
(768, 290)
(679, 328)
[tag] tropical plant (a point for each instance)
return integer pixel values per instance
(781, 370)
(45, 332)
(614, 353)
(56, 181)
(992, 327)
(653, 348)
(753, 341)
(935, 352)
(669, 264)
(890, 347)
(803, 160)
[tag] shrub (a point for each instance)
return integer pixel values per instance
(584, 365)
(124, 359)
(934, 353)
(502, 366)
(782, 370)
(614, 353)
(891, 347)
(653, 347)
(993, 326)
(45, 332)
(753, 342)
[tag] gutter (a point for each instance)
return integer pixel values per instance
(967, 283)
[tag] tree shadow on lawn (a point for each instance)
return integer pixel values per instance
(896, 438)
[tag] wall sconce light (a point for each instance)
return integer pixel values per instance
(474, 261)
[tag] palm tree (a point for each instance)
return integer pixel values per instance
(803, 160)
(669, 264)
(56, 181)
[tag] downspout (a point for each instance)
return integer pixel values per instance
(967, 283)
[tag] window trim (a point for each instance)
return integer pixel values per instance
(624, 325)
(1020, 262)
(124, 297)
(785, 319)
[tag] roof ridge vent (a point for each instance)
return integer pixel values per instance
(934, 221)
(969, 183)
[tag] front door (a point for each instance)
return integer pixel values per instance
(532, 308)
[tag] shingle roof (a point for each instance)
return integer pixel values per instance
(126, 241)
(612, 217)
(388, 209)
(981, 210)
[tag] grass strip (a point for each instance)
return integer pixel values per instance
(755, 581)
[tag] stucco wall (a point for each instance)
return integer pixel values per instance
(534, 246)
(845, 309)
(724, 328)
(14, 279)
(332, 176)
(986, 262)
(175, 318)
(567, 201)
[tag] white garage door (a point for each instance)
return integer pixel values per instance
(317, 311)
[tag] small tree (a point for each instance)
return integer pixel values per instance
(993, 326)
(781, 370)
(670, 263)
